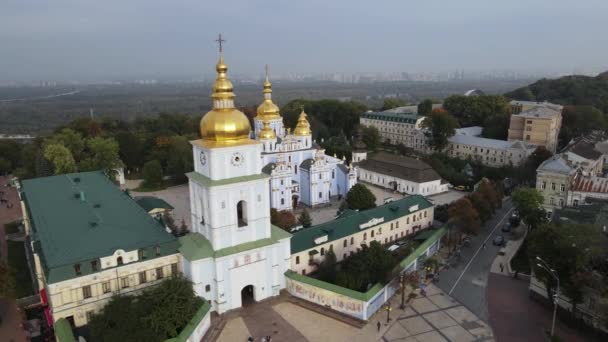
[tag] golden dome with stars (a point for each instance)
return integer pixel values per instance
(224, 123)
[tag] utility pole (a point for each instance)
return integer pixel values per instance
(545, 266)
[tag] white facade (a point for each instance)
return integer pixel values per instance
(402, 185)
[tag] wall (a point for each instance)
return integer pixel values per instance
(403, 185)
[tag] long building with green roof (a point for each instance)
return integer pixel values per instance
(346, 234)
(91, 240)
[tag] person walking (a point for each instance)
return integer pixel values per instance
(502, 267)
(379, 325)
(483, 246)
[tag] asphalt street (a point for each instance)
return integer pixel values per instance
(467, 278)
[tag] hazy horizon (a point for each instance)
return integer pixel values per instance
(70, 39)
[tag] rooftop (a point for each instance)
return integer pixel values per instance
(479, 141)
(473, 131)
(400, 167)
(81, 217)
(556, 164)
(350, 223)
(590, 184)
(150, 203)
(584, 148)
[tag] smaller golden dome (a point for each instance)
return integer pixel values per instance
(222, 87)
(266, 132)
(267, 109)
(303, 127)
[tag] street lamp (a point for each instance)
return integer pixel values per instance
(553, 273)
(388, 313)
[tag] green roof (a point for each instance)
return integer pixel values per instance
(79, 217)
(206, 181)
(436, 235)
(63, 331)
(195, 246)
(394, 117)
(189, 329)
(150, 203)
(348, 223)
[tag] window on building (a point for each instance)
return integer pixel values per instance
(527, 137)
(89, 315)
(124, 282)
(241, 212)
(77, 269)
(333, 174)
(297, 260)
(141, 253)
(345, 243)
(552, 186)
(174, 270)
(322, 251)
(575, 203)
(94, 265)
(561, 202)
(379, 230)
(425, 213)
(142, 277)
(372, 233)
(320, 176)
(352, 241)
(391, 226)
(397, 224)
(320, 194)
(551, 201)
(106, 287)
(543, 186)
(160, 274)
(303, 272)
(207, 288)
(86, 291)
(282, 201)
(281, 182)
(295, 168)
(562, 187)
(407, 220)
(364, 236)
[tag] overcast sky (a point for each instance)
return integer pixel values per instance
(78, 39)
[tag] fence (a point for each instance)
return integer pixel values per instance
(361, 305)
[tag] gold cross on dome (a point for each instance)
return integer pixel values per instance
(219, 40)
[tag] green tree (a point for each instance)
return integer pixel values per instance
(528, 202)
(152, 174)
(326, 270)
(392, 102)
(130, 149)
(180, 158)
(304, 219)
(5, 166)
(476, 110)
(371, 137)
(371, 265)
(483, 207)
(441, 126)
(526, 173)
(425, 107)
(102, 155)
(359, 197)
(70, 139)
(61, 158)
(496, 126)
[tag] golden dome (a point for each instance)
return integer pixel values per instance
(268, 109)
(303, 127)
(266, 132)
(224, 123)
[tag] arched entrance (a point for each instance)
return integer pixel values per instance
(294, 201)
(247, 295)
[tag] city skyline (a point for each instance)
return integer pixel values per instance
(71, 40)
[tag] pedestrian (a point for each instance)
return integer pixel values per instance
(483, 246)
(379, 325)
(502, 267)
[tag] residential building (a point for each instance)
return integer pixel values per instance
(346, 234)
(403, 174)
(397, 128)
(583, 153)
(554, 179)
(491, 152)
(91, 241)
(299, 170)
(536, 123)
(233, 254)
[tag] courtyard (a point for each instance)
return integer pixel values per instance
(436, 317)
(178, 197)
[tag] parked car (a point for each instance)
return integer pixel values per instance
(393, 248)
(506, 227)
(499, 240)
(460, 188)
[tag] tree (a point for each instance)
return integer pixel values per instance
(70, 139)
(441, 125)
(425, 107)
(304, 219)
(463, 216)
(130, 149)
(528, 202)
(5, 166)
(391, 103)
(476, 110)
(527, 172)
(496, 126)
(158, 314)
(180, 158)
(483, 207)
(285, 220)
(61, 158)
(371, 137)
(7, 281)
(102, 154)
(152, 174)
(359, 197)
(326, 270)
(371, 265)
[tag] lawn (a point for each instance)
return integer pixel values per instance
(521, 260)
(18, 262)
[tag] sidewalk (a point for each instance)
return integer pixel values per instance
(507, 253)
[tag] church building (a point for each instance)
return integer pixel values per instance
(299, 170)
(234, 254)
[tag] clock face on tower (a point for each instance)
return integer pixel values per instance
(237, 159)
(203, 158)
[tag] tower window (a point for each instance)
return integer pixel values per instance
(241, 212)
(119, 261)
(297, 260)
(94, 265)
(77, 269)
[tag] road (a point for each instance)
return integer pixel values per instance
(466, 282)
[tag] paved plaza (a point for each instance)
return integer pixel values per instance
(447, 197)
(178, 197)
(436, 317)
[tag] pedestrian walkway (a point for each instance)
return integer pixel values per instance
(502, 262)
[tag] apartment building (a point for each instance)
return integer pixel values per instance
(397, 128)
(490, 152)
(91, 241)
(537, 123)
(346, 234)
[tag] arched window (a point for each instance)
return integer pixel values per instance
(119, 261)
(241, 212)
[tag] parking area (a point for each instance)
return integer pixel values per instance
(448, 196)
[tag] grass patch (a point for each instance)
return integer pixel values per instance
(11, 228)
(18, 262)
(521, 260)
